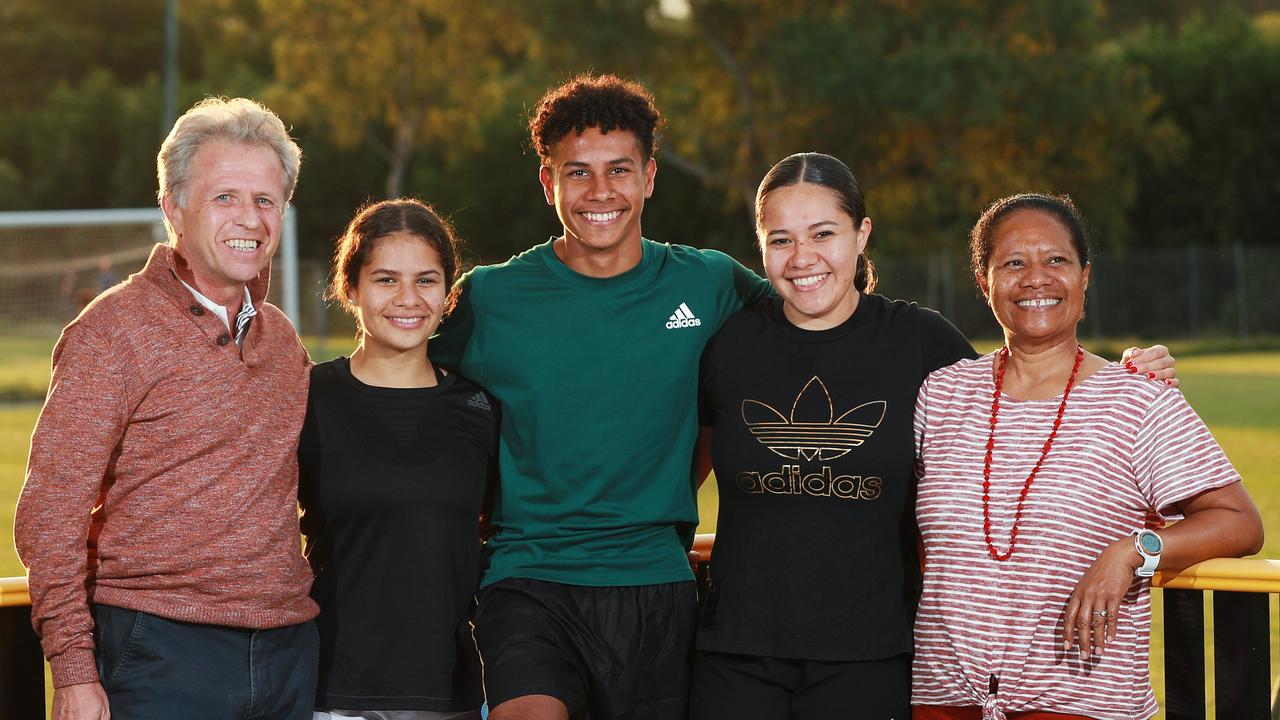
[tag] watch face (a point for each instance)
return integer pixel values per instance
(1151, 542)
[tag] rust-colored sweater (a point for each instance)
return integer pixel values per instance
(163, 469)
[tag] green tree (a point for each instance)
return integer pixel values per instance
(44, 43)
(1122, 16)
(1214, 177)
(81, 114)
(393, 75)
(939, 107)
(73, 89)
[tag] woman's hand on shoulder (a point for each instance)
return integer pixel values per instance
(1155, 362)
(1089, 619)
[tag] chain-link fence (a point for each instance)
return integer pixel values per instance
(1160, 293)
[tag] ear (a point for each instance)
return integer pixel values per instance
(983, 286)
(650, 171)
(546, 176)
(173, 213)
(864, 234)
(1087, 268)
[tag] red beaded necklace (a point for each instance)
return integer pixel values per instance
(991, 444)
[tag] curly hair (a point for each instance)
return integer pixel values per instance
(606, 102)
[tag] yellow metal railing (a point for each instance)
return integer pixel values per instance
(1246, 581)
(13, 591)
(1230, 574)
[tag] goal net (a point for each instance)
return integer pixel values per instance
(54, 263)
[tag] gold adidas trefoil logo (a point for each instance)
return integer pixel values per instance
(811, 431)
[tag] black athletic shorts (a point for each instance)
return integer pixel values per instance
(730, 687)
(608, 653)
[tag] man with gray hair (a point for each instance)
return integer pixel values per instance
(158, 520)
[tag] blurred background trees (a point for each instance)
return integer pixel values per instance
(1158, 117)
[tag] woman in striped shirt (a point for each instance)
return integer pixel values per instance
(1046, 475)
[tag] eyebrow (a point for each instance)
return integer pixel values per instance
(814, 226)
(385, 271)
(237, 190)
(616, 161)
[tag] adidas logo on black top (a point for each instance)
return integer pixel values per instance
(480, 401)
(683, 317)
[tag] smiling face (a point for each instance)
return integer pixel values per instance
(400, 295)
(230, 225)
(811, 247)
(1035, 284)
(598, 183)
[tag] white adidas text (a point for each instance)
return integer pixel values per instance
(683, 317)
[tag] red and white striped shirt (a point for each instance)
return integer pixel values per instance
(1127, 452)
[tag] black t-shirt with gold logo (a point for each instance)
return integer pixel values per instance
(813, 453)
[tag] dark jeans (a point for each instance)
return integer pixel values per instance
(158, 669)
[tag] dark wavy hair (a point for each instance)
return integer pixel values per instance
(379, 220)
(821, 169)
(606, 102)
(1060, 207)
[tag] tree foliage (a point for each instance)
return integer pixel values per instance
(938, 106)
(392, 75)
(1157, 116)
(1214, 177)
(80, 93)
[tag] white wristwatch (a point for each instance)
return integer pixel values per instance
(1149, 546)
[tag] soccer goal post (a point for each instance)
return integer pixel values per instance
(52, 263)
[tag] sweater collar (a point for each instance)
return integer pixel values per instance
(161, 269)
(160, 272)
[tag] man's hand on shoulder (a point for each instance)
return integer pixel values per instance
(84, 701)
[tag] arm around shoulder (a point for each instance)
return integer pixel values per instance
(748, 287)
(751, 287)
(448, 346)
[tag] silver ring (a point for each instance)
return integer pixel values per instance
(1099, 613)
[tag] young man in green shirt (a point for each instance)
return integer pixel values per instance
(592, 341)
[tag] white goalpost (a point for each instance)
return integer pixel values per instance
(54, 262)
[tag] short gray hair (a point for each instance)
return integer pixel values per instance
(215, 118)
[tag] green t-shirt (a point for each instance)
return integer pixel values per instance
(598, 383)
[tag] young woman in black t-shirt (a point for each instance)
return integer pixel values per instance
(811, 396)
(394, 461)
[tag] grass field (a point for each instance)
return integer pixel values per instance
(1237, 394)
